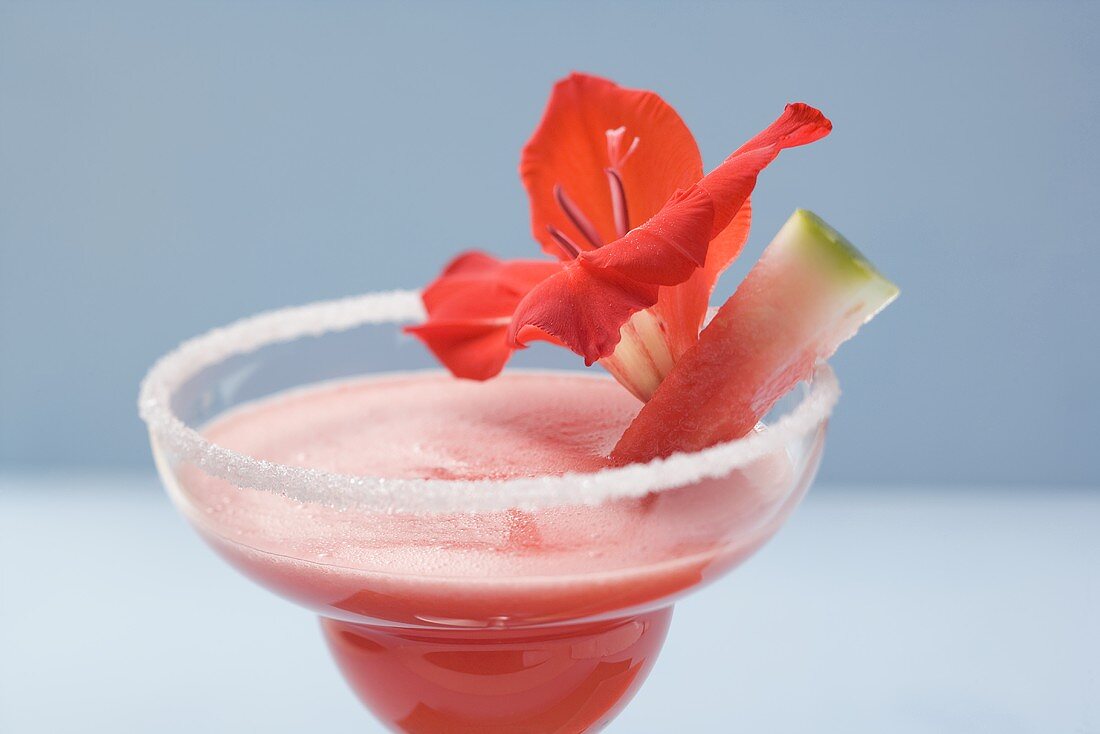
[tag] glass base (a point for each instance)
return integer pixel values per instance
(549, 680)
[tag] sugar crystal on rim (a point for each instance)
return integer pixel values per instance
(423, 496)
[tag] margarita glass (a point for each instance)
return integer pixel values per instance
(532, 603)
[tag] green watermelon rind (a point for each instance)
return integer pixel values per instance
(809, 236)
(810, 291)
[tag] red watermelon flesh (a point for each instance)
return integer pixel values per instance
(810, 291)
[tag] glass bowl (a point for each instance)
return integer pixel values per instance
(533, 604)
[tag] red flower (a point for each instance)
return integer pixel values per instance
(618, 195)
(470, 307)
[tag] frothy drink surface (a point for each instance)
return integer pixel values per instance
(519, 424)
(508, 566)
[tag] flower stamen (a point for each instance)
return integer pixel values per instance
(576, 216)
(562, 240)
(615, 155)
(618, 201)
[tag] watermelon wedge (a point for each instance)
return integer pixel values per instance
(810, 291)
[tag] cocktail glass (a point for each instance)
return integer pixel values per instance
(526, 605)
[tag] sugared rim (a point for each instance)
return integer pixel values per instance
(389, 495)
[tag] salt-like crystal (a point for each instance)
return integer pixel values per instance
(176, 442)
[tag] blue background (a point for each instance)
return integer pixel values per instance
(165, 169)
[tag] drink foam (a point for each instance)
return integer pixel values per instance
(177, 444)
(559, 561)
(432, 426)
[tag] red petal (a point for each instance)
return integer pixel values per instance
(470, 349)
(668, 248)
(583, 307)
(733, 180)
(569, 148)
(470, 307)
(586, 305)
(684, 307)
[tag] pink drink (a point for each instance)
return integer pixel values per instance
(512, 620)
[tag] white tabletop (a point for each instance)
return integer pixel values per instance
(876, 610)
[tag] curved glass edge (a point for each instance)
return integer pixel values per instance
(175, 441)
